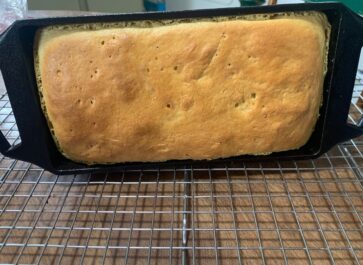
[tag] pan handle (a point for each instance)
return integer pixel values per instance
(356, 40)
(4, 144)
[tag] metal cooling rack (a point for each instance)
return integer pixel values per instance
(304, 212)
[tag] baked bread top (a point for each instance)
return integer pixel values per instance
(184, 90)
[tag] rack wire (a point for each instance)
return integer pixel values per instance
(305, 212)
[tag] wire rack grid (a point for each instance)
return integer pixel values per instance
(303, 212)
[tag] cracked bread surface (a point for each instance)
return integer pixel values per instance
(188, 90)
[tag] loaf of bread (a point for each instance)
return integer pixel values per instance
(182, 89)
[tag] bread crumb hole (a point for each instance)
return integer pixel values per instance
(156, 58)
(229, 64)
(103, 42)
(175, 67)
(78, 101)
(162, 69)
(168, 106)
(147, 70)
(110, 56)
(113, 37)
(90, 61)
(236, 105)
(92, 101)
(91, 76)
(94, 123)
(58, 72)
(157, 47)
(253, 95)
(96, 71)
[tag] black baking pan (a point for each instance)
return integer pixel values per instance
(38, 147)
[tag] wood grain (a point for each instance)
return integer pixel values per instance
(271, 214)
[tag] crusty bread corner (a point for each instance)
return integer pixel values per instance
(182, 89)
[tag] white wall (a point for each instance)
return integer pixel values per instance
(200, 4)
(134, 5)
(94, 5)
(53, 5)
(116, 5)
(360, 67)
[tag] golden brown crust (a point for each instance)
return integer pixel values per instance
(198, 90)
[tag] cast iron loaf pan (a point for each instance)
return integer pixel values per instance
(38, 147)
